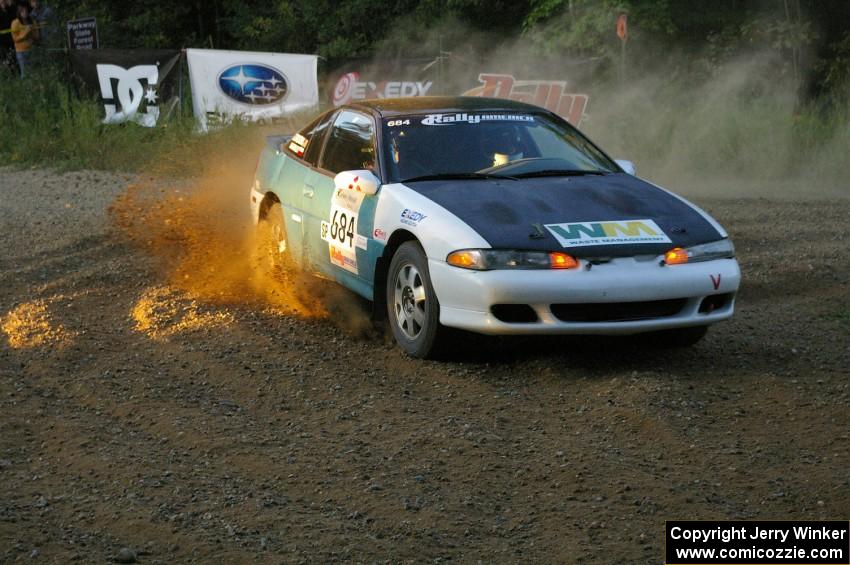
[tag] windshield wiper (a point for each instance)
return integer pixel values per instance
(560, 173)
(444, 176)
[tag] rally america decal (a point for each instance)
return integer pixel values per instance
(340, 232)
(581, 234)
(449, 119)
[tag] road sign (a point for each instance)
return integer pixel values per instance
(622, 28)
(82, 34)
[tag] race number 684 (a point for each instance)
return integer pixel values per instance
(342, 227)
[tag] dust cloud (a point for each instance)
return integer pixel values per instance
(698, 123)
(739, 131)
(200, 235)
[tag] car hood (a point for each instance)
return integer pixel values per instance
(614, 215)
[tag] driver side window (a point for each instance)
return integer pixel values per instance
(351, 143)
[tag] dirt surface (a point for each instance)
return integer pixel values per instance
(135, 415)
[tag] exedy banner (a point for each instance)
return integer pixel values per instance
(349, 87)
(133, 84)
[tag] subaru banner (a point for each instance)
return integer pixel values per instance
(250, 85)
(134, 85)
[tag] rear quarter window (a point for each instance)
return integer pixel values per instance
(307, 143)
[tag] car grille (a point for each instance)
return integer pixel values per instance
(617, 311)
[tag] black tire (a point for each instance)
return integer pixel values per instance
(274, 251)
(681, 337)
(412, 307)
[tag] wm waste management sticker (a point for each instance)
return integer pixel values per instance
(620, 232)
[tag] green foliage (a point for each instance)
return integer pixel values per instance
(689, 98)
(43, 122)
(836, 72)
(583, 27)
(812, 34)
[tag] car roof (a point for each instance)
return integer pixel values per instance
(432, 104)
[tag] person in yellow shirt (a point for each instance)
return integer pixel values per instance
(8, 13)
(24, 32)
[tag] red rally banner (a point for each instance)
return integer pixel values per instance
(550, 94)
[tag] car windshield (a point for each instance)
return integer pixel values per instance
(487, 145)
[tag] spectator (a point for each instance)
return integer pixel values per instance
(43, 17)
(7, 44)
(24, 33)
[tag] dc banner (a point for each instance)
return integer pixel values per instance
(133, 84)
(250, 85)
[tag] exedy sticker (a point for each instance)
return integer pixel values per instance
(463, 117)
(578, 234)
(412, 217)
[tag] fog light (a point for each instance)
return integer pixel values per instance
(676, 256)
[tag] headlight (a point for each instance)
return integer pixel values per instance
(722, 249)
(489, 259)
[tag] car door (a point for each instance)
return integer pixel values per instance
(301, 153)
(337, 231)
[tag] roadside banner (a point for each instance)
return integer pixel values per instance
(353, 86)
(360, 79)
(550, 94)
(250, 85)
(133, 84)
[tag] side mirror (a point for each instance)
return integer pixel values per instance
(627, 166)
(359, 181)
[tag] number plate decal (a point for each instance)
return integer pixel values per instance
(340, 231)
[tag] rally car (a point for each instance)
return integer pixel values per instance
(491, 216)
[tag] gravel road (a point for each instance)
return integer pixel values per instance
(144, 417)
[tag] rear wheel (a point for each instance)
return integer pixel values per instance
(412, 306)
(272, 238)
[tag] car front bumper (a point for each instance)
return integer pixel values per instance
(467, 297)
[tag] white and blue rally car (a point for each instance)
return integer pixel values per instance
(491, 216)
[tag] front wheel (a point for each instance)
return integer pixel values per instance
(412, 306)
